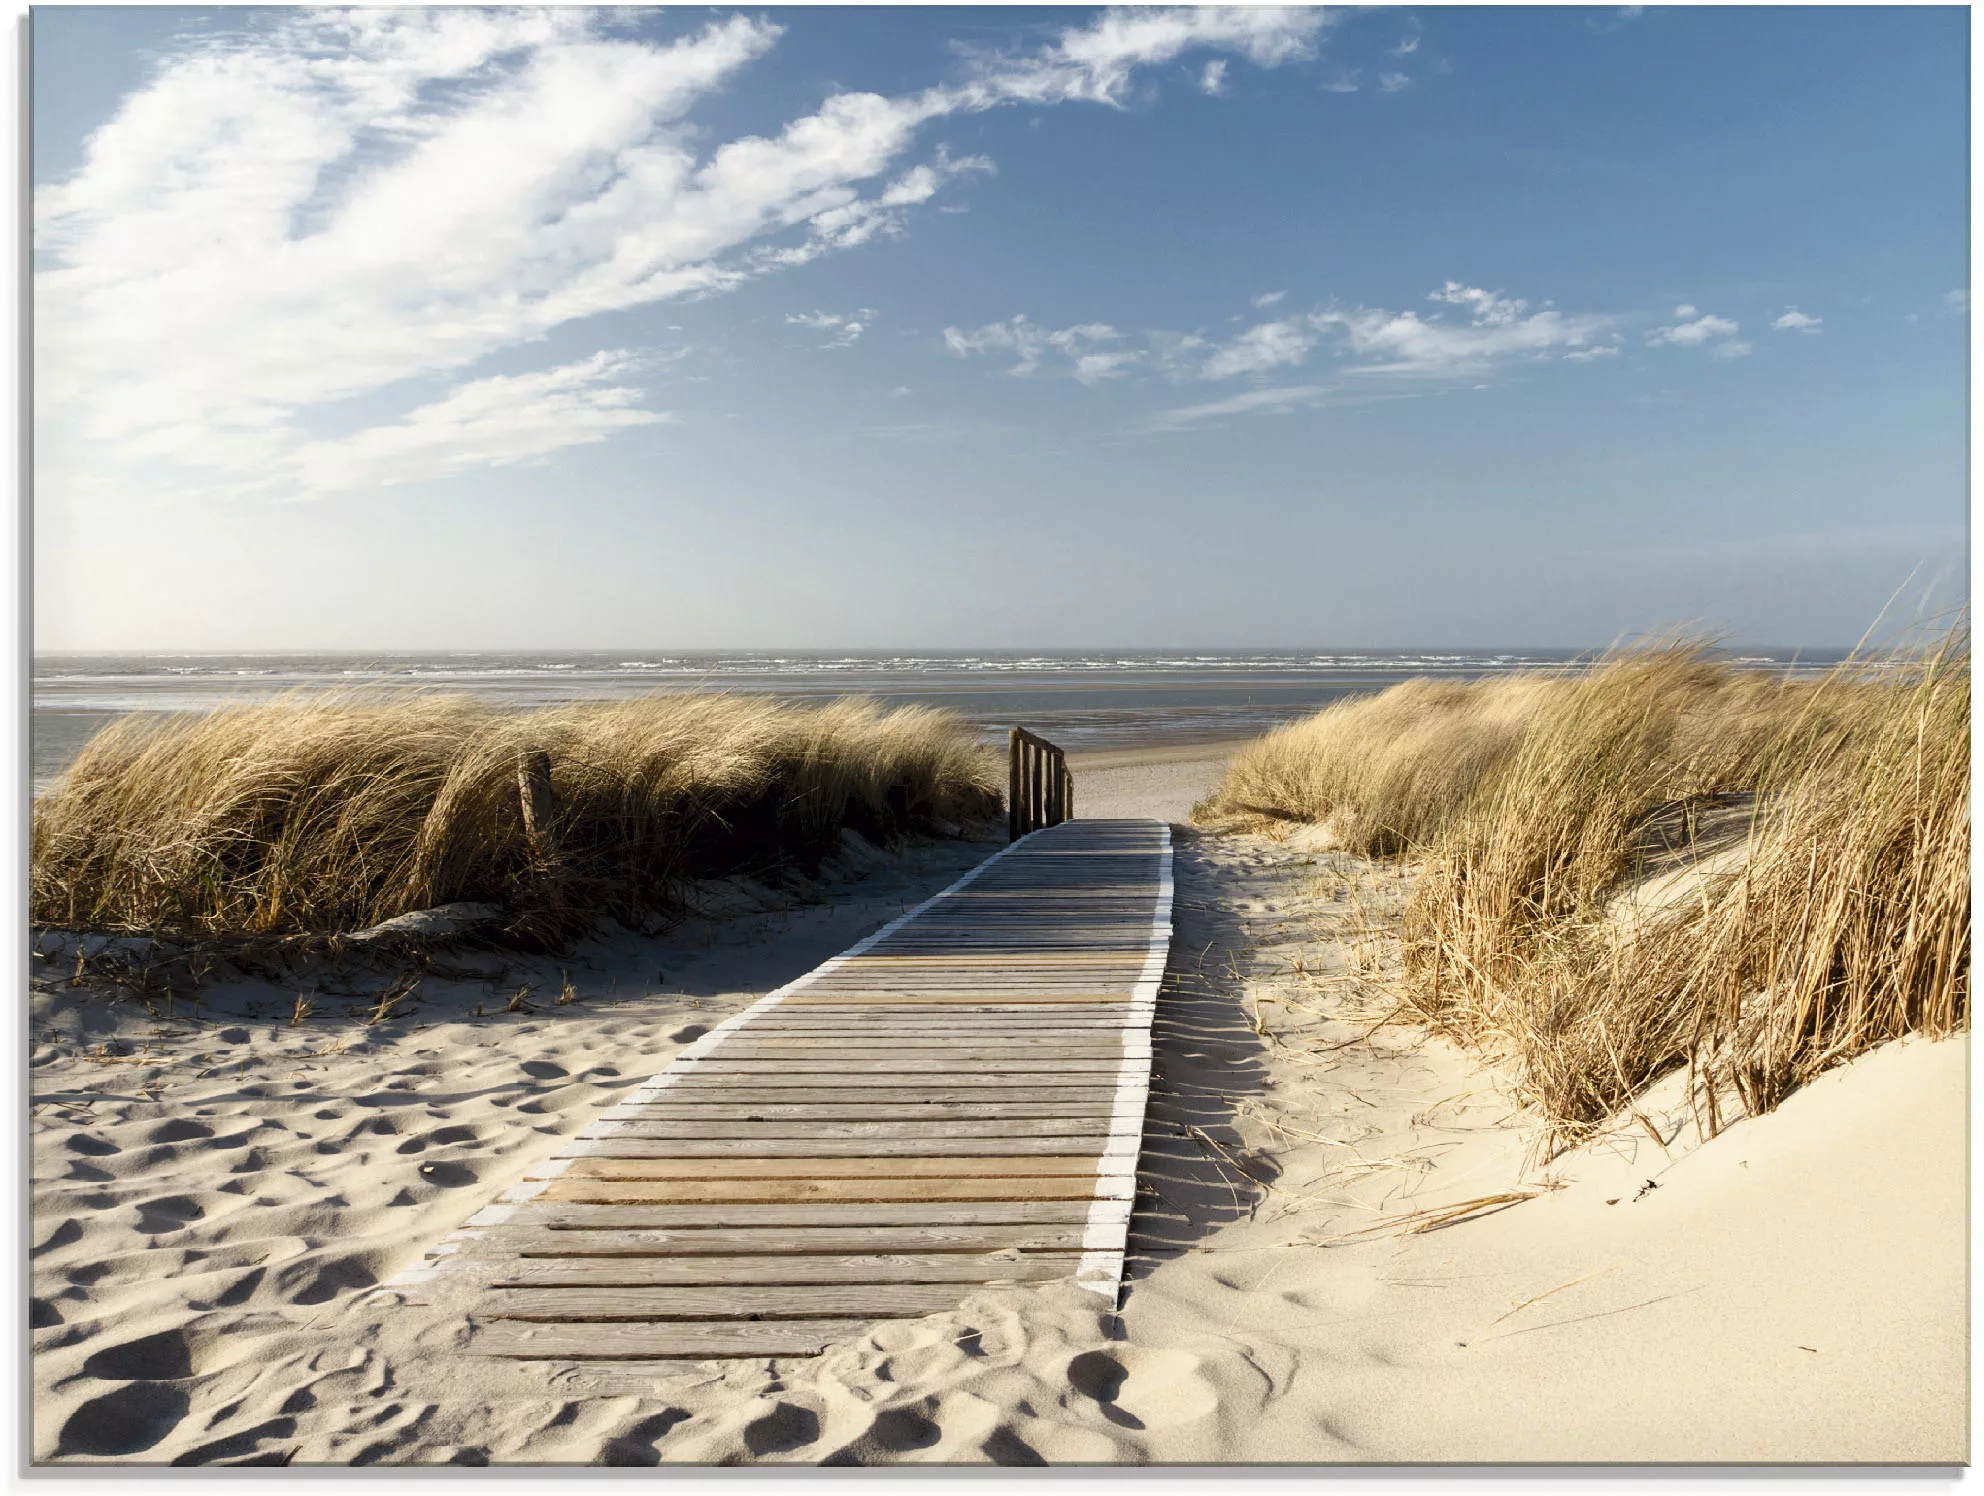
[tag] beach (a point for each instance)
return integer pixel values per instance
(1344, 1249)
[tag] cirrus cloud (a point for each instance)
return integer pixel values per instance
(326, 205)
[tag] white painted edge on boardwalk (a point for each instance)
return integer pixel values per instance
(1107, 1234)
(506, 1203)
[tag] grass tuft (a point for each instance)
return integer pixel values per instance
(331, 814)
(1537, 805)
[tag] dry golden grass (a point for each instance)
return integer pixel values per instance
(1532, 801)
(330, 814)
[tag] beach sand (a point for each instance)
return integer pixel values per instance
(215, 1204)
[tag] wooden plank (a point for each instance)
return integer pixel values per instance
(881, 999)
(734, 1168)
(932, 1040)
(911, 1213)
(937, 1064)
(878, 1191)
(988, 1132)
(873, 1090)
(516, 1341)
(961, 1106)
(716, 1272)
(565, 1305)
(530, 1243)
(1062, 1142)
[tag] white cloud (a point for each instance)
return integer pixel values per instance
(1694, 330)
(344, 203)
(1278, 401)
(1407, 45)
(1084, 347)
(1498, 327)
(1213, 79)
(1393, 82)
(844, 330)
(1098, 62)
(486, 423)
(1794, 320)
(1345, 82)
(1267, 299)
(1734, 348)
(1267, 345)
(1956, 302)
(1620, 18)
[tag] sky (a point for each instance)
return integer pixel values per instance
(995, 327)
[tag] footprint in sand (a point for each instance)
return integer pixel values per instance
(1139, 1387)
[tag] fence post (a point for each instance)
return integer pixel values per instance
(1035, 799)
(1013, 782)
(534, 795)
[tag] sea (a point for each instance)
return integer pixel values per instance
(1086, 701)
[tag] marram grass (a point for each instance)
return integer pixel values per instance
(328, 814)
(1527, 801)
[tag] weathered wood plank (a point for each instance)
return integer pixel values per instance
(735, 1168)
(940, 1065)
(718, 1192)
(736, 1136)
(569, 1305)
(720, 1088)
(530, 1243)
(517, 1341)
(716, 1272)
(1061, 1143)
(959, 1106)
(911, 1213)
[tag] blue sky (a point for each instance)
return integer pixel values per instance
(982, 327)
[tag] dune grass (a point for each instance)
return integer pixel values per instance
(1528, 803)
(329, 814)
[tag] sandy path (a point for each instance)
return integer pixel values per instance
(1161, 782)
(1734, 1300)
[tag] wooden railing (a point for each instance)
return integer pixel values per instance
(1040, 790)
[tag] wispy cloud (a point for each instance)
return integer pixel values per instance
(1393, 82)
(1481, 330)
(1266, 299)
(1213, 79)
(1267, 345)
(1692, 328)
(347, 203)
(1794, 320)
(1087, 349)
(486, 423)
(1497, 328)
(1279, 400)
(1957, 302)
(842, 330)
(1620, 17)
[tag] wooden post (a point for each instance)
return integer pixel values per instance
(540, 808)
(1013, 781)
(1040, 789)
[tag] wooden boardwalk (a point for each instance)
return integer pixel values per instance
(956, 1101)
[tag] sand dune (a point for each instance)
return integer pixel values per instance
(212, 1219)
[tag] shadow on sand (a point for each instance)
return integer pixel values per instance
(1196, 1174)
